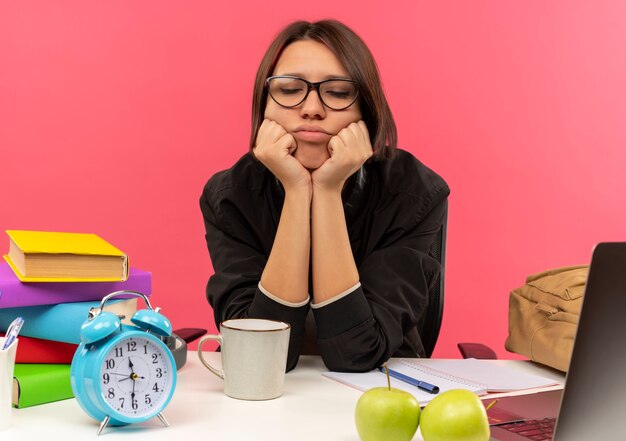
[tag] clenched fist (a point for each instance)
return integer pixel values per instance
(274, 148)
(349, 150)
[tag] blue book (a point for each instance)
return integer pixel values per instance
(62, 322)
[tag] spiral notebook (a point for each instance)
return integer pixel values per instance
(478, 376)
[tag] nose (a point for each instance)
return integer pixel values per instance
(312, 106)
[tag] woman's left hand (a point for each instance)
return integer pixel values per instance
(349, 150)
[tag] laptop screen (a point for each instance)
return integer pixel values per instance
(594, 400)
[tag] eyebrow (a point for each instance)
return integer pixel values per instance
(327, 77)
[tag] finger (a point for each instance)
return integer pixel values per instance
(259, 133)
(361, 124)
(274, 131)
(263, 132)
(264, 124)
(294, 144)
(288, 142)
(367, 139)
(356, 140)
(360, 133)
(269, 132)
(335, 144)
(267, 126)
(348, 135)
(359, 129)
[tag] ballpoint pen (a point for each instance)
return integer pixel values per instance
(12, 331)
(423, 385)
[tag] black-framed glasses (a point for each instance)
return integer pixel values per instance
(289, 91)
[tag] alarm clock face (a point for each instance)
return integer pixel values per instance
(136, 377)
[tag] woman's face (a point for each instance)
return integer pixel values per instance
(311, 123)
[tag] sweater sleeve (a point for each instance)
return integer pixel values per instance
(233, 290)
(364, 329)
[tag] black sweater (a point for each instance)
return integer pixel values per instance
(393, 215)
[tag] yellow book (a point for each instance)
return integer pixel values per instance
(42, 256)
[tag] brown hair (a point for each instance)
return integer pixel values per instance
(358, 61)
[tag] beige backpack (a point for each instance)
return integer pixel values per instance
(543, 315)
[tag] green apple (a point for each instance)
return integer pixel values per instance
(455, 415)
(387, 414)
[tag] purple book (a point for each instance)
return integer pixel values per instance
(14, 293)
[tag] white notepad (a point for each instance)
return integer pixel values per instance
(478, 376)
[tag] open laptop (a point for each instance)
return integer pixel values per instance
(592, 406)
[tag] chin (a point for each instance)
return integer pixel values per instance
(311, 158)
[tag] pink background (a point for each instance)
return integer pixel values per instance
(114, 114)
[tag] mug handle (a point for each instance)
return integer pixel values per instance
(204, 362)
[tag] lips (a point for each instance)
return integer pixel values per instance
(311, 133)
(310, 128)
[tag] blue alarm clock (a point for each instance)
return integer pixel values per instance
(123, 374)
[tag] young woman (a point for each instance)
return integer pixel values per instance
(324, 214)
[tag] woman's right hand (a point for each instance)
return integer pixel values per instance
(274, 148)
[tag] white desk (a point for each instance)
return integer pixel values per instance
(312, 408)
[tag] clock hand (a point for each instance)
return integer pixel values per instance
(132, 375)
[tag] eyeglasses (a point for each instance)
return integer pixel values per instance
(288, 91)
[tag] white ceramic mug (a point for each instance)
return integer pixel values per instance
(254, 357)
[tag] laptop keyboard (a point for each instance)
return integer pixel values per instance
(537, 430)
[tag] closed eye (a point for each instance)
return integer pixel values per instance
(339, 94)
(286, 91)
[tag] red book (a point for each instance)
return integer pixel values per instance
(37, 350)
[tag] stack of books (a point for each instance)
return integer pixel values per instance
(52, 280)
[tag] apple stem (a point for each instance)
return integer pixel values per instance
(491, 404)
(388, 378)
